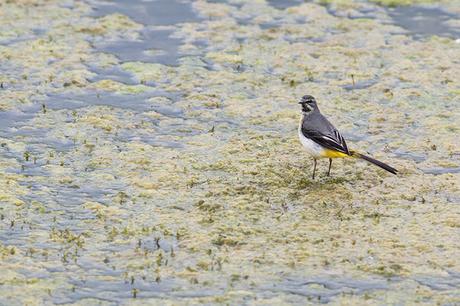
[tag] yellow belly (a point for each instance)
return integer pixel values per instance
(334, 154)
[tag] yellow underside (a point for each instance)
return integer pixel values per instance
(334, 154)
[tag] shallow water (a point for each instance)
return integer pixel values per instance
(425, 21)
(154, 44)
(149, 153)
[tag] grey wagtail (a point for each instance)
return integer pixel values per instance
(322, 140)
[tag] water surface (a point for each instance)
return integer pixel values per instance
(149, 153)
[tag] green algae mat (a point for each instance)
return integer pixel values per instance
(149, 153)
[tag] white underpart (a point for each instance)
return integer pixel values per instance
(310, 146)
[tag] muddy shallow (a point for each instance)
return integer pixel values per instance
(153, 162)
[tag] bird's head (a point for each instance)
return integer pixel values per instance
(308, 103)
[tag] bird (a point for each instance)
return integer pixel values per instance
(322, 140)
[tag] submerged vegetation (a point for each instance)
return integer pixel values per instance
(144, 181)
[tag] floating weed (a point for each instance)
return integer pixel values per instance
(26, 156)
(160, 258)
(68, 237)
(157, 243)
(226, 240)
(121, 198)
(242, 202)
(391, 270)
(337, 180)
(303, 183)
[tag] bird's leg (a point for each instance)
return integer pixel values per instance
(314, 167)
(330, 164)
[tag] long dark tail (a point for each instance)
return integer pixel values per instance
(375, 162)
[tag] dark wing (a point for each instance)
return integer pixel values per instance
(325, 134)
